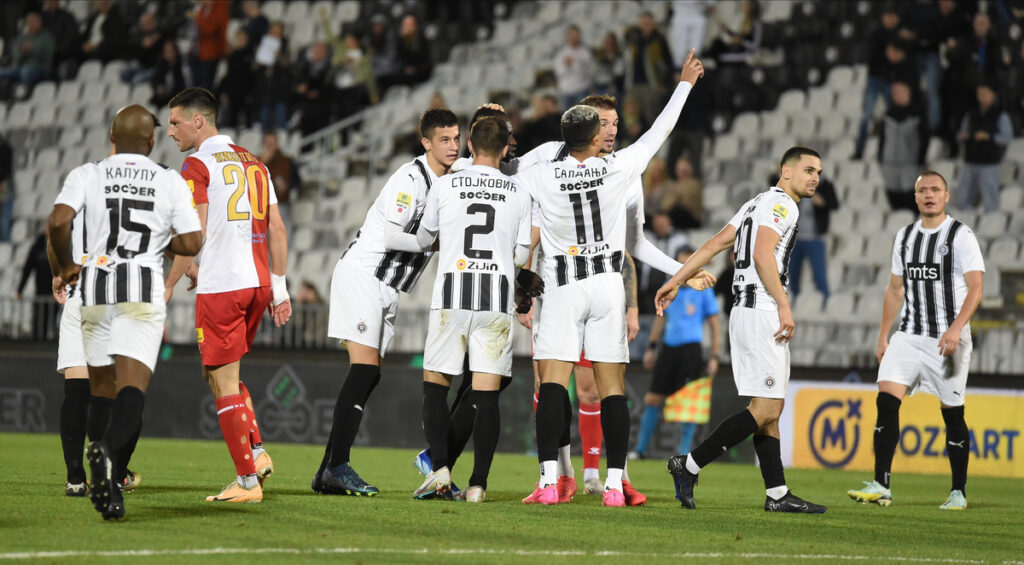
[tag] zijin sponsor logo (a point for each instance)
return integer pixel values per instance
(470, 265)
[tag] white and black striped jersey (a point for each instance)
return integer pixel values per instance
(932, 263)
(582, 211)
(401, 203)
(479, 216)
(776, 210)
(130, 206)
(78, 252)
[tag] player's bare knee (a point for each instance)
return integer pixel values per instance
(101, 382)
(437, 378)
(895, 389)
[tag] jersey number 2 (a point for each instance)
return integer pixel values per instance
(486, 228)
(595, 216)
(743, 250)
(254, 182)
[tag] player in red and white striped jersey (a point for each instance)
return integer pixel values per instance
(241, 273)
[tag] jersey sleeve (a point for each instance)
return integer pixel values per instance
(968, 252)
(460, 164)
(710, 302)
(400, 198)
(738, 217)
(73, 192)
(430, 220)
(526, 222)
(544, 151)
(897, 255)
(779, 214)
(184, 218)
(197, 177)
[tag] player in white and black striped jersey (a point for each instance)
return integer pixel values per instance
(365, 287)
(130, 205)
(482, 218)
(584, 202)
(761, 234)
(937, 272)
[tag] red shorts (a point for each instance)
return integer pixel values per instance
(226, 323)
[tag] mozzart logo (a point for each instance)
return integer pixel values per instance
(835, 432)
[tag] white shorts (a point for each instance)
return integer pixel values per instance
(70, 349)
(487, 335)
(915, 361)
(131, 329)
(363, 309)
(588, 314)
(760, 366)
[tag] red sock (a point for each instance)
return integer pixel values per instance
(235, 426)
(255, 440)
(534, 402)
(590, 434)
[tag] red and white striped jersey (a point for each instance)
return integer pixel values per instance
(238, 189)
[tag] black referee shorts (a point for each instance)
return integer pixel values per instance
(675, 367)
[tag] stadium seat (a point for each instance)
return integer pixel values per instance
(89, 72)
(303, 213)
(773, 124)
(19, 116)
(898, 219)
(273, 10)
(804, 128)
(112, 72)
(47, 159)
(1015, 151)
(833, 127)
(44, 93)
(95, 91)
(1011, 198)
(44, 115)
(792, 102)
(727, 147)
(120, 93)
(1008, 173)
(1003, 252)
(992, 224)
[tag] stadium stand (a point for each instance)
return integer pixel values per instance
(803, 83)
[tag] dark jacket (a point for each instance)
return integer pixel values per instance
(903, 137)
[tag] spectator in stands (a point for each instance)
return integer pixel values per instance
(649, 68)
(920, 28)
(685, 202)
(169, 74)
(812, 226)
(574, 68)
(275, 82)
(33, 54)
(657, 187)
(146, 45)
(609, 67)
(44, 309)
(413, 53)
(688, 24)
(284, 173)
(105, 33)
(63, 26)
(235, 90)
(544, 126)
(255, 23)
(210, 45)
(879, 70)
(6, 187)
(985, 133)
(902, 145)
(736, 47)
(631, 122)
(669, 240)
(355, 87)
(692, 129)
(313, 90)
(380, 42)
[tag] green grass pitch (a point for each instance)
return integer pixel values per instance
(168, 520)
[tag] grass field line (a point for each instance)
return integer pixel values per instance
(470, 551)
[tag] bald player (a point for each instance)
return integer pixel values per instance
(130, 206)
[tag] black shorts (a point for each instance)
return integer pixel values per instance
(677, 366)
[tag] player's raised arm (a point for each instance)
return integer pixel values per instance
(721, 241)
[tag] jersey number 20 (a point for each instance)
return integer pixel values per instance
(254, 182)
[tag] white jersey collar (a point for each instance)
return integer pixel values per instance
(216, 140)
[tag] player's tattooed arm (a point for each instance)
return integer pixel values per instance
(629, 281)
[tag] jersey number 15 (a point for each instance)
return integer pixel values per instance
(253, 181)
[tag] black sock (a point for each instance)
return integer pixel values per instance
(566, 438)
(435, 422)
(125, 420)
(615, 425)
(348, 411)
(769, 455)
(732, 431)
(461, 423)
(550, 420)
(887, 435)
(99, 417)
(124, 456)
(486, 430)
(74, 412)
(958, 446)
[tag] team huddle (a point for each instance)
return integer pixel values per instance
(546, 237)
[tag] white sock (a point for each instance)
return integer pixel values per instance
(248, 481)
(625, 472)
(691, 465)
(591, 473)
(548, 473)
(776, 493)
(257, 451)
(614, 480)
(565, 462)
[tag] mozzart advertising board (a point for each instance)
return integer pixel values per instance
(831, 426)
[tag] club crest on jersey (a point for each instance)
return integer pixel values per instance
(944, 250)
(361, 327)
(769, 382)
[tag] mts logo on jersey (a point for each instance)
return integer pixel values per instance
(923, 271)
(470, 265)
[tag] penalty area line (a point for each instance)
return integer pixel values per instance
(28, 555)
